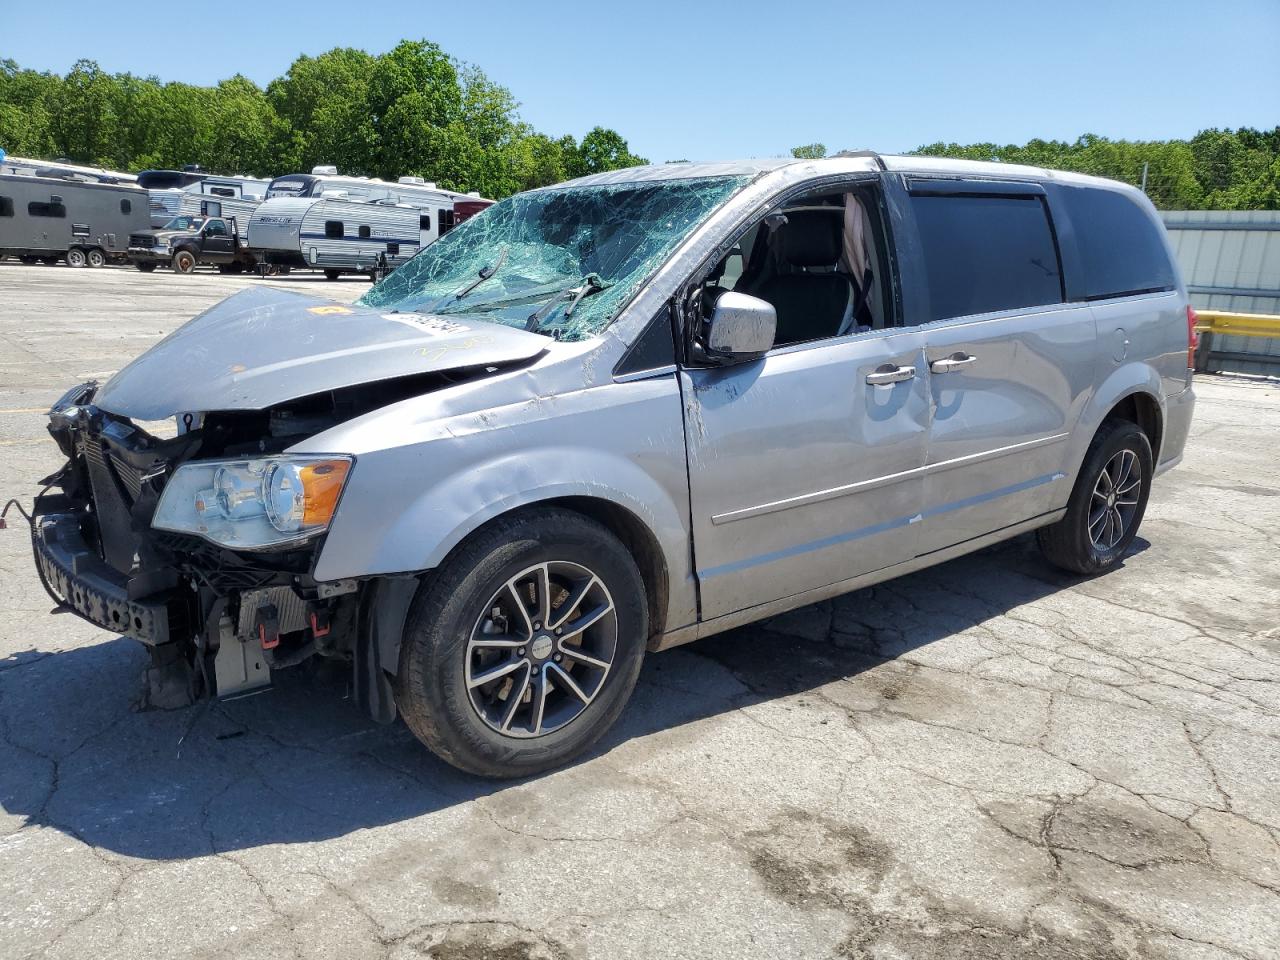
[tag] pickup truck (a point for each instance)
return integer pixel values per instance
(187, 241)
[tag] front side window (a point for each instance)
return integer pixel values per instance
(1121, 248)
(333, 229)
(984, 254)
(540, 247)
(216, 228)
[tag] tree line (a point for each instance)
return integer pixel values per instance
(411, 111)
(1214, 170)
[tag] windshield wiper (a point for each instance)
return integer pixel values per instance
(486, 273)
(591, 283)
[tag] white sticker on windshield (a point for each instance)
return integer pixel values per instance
(432, 326)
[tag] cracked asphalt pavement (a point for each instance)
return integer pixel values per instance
(988, 759)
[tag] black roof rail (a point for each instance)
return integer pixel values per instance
(863, 153)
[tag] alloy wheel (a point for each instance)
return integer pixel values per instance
(1115, 499)
(541, 649)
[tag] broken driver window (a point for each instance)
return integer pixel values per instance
(559, 261)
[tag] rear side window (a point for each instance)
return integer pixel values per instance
(126, 206)
(424, 221)
(364, 231)
(333, 229)
(6, 206)
(984, 254)
(53, 208)
(1121, 249)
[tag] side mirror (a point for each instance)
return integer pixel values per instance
(740, 328)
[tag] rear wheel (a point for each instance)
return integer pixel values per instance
(184, 262)
(1107, 502)
(76, 257)
(28, 259)
(97, 258)
(50, 261)
(146, 267)
(523, 647)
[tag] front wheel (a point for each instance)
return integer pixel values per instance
(183, 262)
(1107, 502)
(523, 647)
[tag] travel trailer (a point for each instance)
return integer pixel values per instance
(50, 219)
(169, 201)
(321, 225)
(26, 167)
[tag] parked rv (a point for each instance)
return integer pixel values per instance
(341, 234)
(50, 219)
(63, 169)
(170, 190)
(188, 241)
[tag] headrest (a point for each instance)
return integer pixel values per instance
(811, 238)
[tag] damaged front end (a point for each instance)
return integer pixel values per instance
(216, 619)
(219, 606)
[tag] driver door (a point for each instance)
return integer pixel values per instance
(219, 244)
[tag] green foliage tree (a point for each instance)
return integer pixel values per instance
(413, 110)
(810, 151)
(1216, 169)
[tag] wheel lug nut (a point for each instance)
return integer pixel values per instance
(559, 630)
(537, 626)
(559, 658)
(520, 652)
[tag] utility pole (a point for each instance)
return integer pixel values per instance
(1144, 176)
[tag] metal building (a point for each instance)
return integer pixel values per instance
(1230, 260)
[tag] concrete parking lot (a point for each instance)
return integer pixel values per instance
(988, 759)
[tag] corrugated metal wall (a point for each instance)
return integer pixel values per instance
(1230, 260)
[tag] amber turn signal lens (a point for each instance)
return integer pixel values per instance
(322, 484)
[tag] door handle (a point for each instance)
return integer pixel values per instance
(953, 362)
(888, 373)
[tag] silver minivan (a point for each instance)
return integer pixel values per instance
(617, 415)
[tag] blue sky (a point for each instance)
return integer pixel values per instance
(717, 80)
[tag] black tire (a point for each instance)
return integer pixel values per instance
(146, 267)
(76, 257)
(50, 261)
(431, 688)
(96, 258)
(28, 259)
(1068, 543)
(332, 274)
(184, 262)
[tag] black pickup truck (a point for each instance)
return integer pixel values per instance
(186, 242)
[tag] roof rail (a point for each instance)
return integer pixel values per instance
(863, 153)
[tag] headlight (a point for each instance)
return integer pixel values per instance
(253, 504)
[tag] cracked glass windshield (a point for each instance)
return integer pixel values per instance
(559, 261)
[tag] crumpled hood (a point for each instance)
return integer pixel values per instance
(263, 346)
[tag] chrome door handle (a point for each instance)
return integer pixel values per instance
(953, 362)
(888, 373)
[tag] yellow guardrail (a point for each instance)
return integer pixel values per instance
(1237, 324)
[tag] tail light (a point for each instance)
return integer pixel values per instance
(1193, 338)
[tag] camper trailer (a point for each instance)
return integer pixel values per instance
(170, 190)
(50, 219)
(340, 235)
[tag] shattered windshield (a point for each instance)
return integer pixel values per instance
(559, 261)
